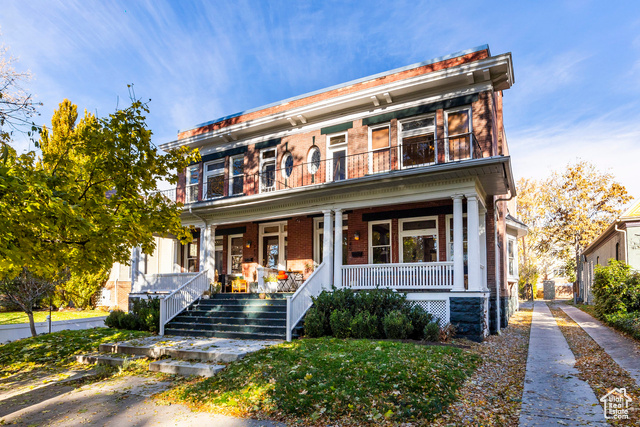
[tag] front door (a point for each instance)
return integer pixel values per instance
(273, 245)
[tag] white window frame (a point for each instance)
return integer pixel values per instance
(370, 146)
(401, 134)
(317, 232)
(282, 242)
(309, 159)
(206, 175)
(514, 240)
(370, 236)
(332, 149)
(283, 166)
(229, 254)
(423, 232)
(275, 167)
(218, 248)
(446, 129)
(232, 177)
(189, 195)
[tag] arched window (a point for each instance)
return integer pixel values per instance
(287, 165)
(313, 160)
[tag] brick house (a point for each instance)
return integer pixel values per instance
(400, 179)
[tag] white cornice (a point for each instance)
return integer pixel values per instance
(335, 103)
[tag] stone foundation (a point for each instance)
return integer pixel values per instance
(468, 316)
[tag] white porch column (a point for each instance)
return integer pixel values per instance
(327, 248)
(458, 247)
(473, 243)
(483, 246)
(210, 260)
(204, 242)
(337, 252)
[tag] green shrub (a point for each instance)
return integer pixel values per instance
(419, 319)
(130, 322)
(365, 325)
(144, 316)
(397, 325)
(625, 322)
(114, 319)
(340, 321)
(314, 323)
(432, 332)
(616, 289)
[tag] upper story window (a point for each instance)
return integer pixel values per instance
(193, 178)
(417, 139)
(337, 156)
(379, 142)
(214, 179)
(313, 160)
(267, 170)
(287, 165)
(236, 175)
(458, 134)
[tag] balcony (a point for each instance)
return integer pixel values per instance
(337, 168)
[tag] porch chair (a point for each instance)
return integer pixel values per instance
(239, 285)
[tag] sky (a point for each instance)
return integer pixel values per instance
(577, 63)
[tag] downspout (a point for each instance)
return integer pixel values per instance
(497, 273)
(624, 233)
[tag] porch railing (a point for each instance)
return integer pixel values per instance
(181, 298)
(338, 168)
(431, 275)
(161, 282)
(300, 302)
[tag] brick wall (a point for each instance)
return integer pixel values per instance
(124, 288)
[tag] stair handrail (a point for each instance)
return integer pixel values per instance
(174, 303)
(300, 301)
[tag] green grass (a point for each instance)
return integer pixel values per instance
(56, 349)
(328, 380)
(13, 317)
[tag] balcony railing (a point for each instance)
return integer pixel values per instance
(428, 275)
(338, 167)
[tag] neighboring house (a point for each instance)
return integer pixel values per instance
(515, 230)
(621, 242)
(397, 180)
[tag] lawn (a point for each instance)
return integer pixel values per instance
(57, 349)
(331, 380)
(13, 317)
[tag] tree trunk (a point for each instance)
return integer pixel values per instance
(32, 324)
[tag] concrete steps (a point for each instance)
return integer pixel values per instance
(185, 368)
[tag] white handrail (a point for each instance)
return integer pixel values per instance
(300, 302)
(174, 303)
(419, 275)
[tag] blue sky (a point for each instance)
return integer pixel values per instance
(577, 63)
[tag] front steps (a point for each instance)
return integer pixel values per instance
(238, 316)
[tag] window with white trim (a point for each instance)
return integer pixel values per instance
(193, 178)
(337, 155)
(418, 239)
(418, 141)
(380, 242)
(287, 165)
(214, 179)
(235, 254)
(458, 133)
(236, 175)
(313, 160)
(512, 257)
(267, 170)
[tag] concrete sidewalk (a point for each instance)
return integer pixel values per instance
(624, 351)
(553, 394)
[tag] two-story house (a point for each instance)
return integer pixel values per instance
(396, 180)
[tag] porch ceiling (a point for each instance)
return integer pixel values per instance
(491, 176)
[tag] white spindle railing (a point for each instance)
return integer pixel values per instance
(429, 275)
(300, 302)
(182, 298)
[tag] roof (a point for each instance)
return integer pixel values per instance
(340, 87)
(632, 214)
(521, 228)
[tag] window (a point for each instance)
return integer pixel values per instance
(417, 139)
(268, 170)
(218, 254)
(235, 254)
(458, 130)
(287, 165)
(450, 239)
(191, 192)
(512, 266)
(318, 247)
(273, 245)
(236, 175)
(337, 154)
(313, 160)
(380, 242)
(214, 179)
(419, 239)
(191, 256)
(379, 149)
